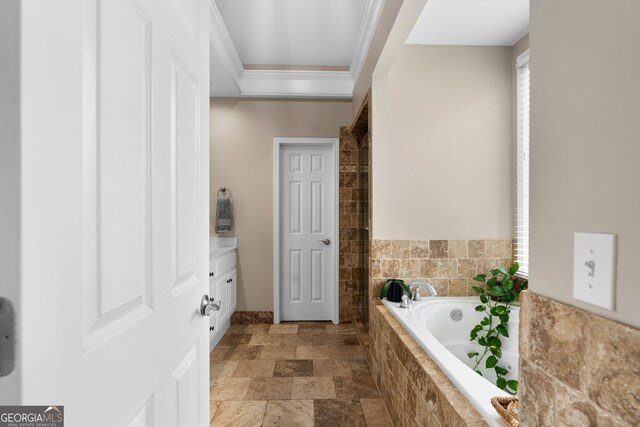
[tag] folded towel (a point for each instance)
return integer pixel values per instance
(223, 215)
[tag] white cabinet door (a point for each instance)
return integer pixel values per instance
(233, 291)
(114, 215)
(224, 299)
(213, 317)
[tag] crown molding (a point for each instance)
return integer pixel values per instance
(294, 83)
(372, 14)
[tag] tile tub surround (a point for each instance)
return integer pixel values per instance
(449, 265)
(280, 380)
(408, 378)
(576, 368)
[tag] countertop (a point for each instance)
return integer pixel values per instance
(219, 246)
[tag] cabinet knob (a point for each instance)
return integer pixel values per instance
(211, 328)
(211, 274)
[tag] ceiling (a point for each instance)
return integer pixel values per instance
(471, 22)
(289, 48)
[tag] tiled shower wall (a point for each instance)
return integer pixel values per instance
(576, 368)
(448, 265)
(349, 234)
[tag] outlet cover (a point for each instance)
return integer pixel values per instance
(594, 266)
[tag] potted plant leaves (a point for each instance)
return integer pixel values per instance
(394, 289)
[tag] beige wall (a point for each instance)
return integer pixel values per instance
(442, 166)
(585, 142)
(242, 133)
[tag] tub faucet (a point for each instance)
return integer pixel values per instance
(418, 285)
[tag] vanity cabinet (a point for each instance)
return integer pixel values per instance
(222, 287)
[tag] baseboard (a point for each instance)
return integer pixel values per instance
(251, 317)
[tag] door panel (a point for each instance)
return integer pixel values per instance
(307, 194)
(115, 211)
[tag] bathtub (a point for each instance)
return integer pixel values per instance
(430, 322)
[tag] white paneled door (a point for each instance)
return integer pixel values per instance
(308, 230)
(114, 211)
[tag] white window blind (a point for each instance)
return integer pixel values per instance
(522, 208)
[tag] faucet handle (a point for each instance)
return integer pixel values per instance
(416, 294)
(405, 302)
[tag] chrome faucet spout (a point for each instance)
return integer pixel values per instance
(416, 295)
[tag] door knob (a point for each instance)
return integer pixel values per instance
(325, 241)
(207, 306)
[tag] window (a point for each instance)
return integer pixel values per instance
(522, 201)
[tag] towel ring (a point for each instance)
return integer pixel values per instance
(223, 190)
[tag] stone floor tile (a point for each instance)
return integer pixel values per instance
(243, 352)
(277, 388)
(346, 352)
(254, 368)
(265, 339)
(334, 412)
(357, 388)
(278, 352)
(258, 328)
(293, 368)
(312, 352)
(313, 388)
(229, 388)
(235, 339)
(331, 368)
(290, 339)
(223, 368)
(288, 413)
(239, 414)
(284, 328)
(375, 413)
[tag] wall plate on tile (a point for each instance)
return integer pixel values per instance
(594, 267)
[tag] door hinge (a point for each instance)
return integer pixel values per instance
(7, 337)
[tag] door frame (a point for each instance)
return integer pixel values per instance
(278, 143)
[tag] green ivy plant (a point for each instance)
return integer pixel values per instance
(497, 295)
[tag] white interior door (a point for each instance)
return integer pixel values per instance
(308, 231)
(113, 211)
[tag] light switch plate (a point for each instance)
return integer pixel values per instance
(594, 261)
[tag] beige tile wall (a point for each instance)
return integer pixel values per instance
(576, 368)
(449, 265)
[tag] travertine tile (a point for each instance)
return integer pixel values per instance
(537, 395)
(265, 339)
(560, 335)
(335, 339)
(400, 249)
(331, 368)
(476, 248)
(275, 388)
(334, 412)
(447, 268)
(342, 328)
(346, 352)
(313, 388)
(236, 329)
(466, 268)
(223, 368)
(293, 368)
(239, 413)
(419, 249)
(428, 268)
(438, 249)
(312, 328)
(574, 409)
(213, 407)
(241, 352)
(305, 352)
(409, 267)
(290, 339)
(254, 368)
(229, 388)
(284, 328)
(289, 413)
(390, 268)
(614, 367)
(457, 249)
(278, 352)
(234, 339)
(375, 413)
(460, 287)
(219, 352)
(259, 328)
(356, 388)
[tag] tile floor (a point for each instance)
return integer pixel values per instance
(293, 374)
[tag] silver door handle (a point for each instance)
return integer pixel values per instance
(207, 306)
(325, 241)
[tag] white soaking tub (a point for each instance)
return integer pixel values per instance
(431, 323)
